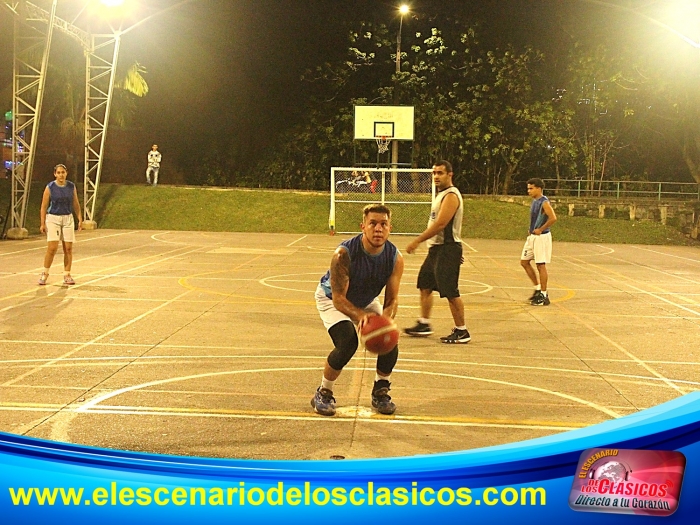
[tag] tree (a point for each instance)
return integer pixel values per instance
(64, 100)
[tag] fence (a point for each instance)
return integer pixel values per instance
(623, 189)
(408, 192)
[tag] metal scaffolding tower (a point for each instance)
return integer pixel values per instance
(99, 88)
(33, 30)
(32, 42)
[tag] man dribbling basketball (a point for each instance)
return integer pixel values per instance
(348, 295)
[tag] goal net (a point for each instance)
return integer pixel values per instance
(408, 192)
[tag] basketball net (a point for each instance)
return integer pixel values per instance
(383, 144)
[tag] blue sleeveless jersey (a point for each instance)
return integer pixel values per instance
(537, 216)
(61, 198)
(368, 273)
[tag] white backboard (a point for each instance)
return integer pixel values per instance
(384, 121)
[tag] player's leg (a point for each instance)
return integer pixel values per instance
(148, 175)
(344, 336)
(51, 249)
(53, 236)
(448, 269)
(67, 239)
(528, 254)
(542, 249)
(155, 175)
(426, 284)
(381, 400)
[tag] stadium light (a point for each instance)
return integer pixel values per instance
(685, 7)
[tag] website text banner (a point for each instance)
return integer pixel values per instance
(530, 481)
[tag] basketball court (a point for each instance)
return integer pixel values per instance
(209, 344)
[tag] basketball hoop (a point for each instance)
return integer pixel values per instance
(383, 143)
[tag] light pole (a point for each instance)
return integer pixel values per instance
(395, 143)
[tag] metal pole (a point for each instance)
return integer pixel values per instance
(395, 143)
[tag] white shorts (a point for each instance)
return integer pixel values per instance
(331, 316)
(538, 248)
(60, 228)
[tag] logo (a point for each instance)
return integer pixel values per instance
(618, 481)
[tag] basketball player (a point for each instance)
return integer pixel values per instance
(348, 295)
(440, 270)
(57, 221)
(538, 246)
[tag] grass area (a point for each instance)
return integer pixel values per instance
(265, 211)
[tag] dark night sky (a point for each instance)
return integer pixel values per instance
(231, 67)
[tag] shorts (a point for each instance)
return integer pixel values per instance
(538, 248)
(332, 316)
(440, 270)
(60, 228)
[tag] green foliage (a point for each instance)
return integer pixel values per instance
(272, 211)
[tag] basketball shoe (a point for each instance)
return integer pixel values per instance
(323, 402)
(457, 336)
(419, 330)
(381, 400)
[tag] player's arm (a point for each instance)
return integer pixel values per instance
(448, 208)
(76, 209)
(44, 206)
(391, 292)
(551, 218)
(340, 283)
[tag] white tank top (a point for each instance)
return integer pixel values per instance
(453, 230)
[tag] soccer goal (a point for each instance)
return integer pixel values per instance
(408, 192)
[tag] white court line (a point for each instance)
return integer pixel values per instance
(299, 239)
(93, 403)
(697, 261)
(286, 356)
(85, 345)
(626, 281)
(185, 359)
(80, 285)
(78, 241)
(470, 247)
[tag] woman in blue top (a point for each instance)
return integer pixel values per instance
(57, 206)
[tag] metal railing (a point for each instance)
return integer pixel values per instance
(621, 189)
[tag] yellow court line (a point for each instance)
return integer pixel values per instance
(348, 416)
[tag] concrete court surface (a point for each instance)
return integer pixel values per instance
(209, 344)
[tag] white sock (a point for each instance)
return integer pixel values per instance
(463, 327)
(377, 377)
(423, 320)
(325, 383)
(544, 292)
(538, 288)
(66, 272)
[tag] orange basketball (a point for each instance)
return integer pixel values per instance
(379, 334)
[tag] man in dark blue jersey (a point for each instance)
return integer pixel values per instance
(348, 295)
(538, 246)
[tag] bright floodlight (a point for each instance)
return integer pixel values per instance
(112, 3)
(403, 9)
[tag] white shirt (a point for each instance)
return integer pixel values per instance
(154, 159)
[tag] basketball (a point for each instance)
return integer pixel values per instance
(379, 334)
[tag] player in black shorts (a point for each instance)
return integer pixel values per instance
(440, 270)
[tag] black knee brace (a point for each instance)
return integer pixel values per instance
(386, 362)
(345, 340)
